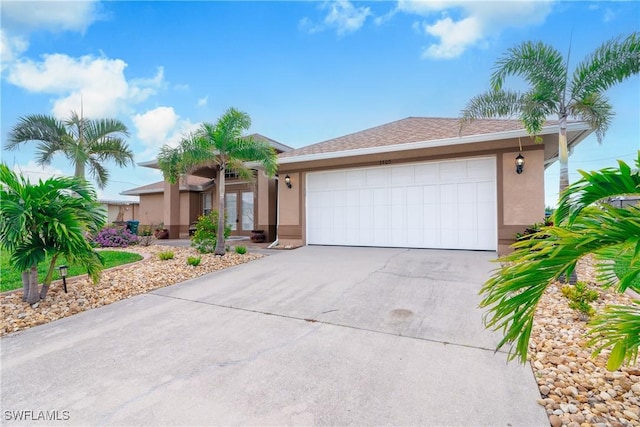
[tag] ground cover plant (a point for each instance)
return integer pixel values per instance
(11, 279)
(115, 237)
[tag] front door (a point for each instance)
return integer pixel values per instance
(239, 209)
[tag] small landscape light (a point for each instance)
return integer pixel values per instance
(287, 180)
(64, 270)
(519, 164)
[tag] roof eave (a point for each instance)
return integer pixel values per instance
(471, 139)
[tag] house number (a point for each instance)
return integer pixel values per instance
(385, 162)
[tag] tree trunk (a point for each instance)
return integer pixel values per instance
(25, 285)
(79, 173)
(33, 295)
(47, 280)
(563, 158)
(220, 244)
(563, 154)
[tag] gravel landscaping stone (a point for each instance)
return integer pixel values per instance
(114, 285)
(576, 389)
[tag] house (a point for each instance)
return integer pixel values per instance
(419, 182)
(249, 205)
(118, 210)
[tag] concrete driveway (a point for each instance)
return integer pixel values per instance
(319, 335)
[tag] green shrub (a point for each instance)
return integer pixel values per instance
(204, 238)
(194, 260)
(241, 250)
(165, 255)
(534, 228)
(580, 297)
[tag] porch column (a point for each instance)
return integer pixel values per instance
(172, 209)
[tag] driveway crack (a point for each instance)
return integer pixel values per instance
(339, 325)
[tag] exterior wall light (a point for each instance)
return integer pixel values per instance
(519, 164)
(287, 180)
(64, 270)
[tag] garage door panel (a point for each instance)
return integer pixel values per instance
(440, 204)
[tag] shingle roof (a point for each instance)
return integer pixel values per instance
(193, 183)
(411, 129)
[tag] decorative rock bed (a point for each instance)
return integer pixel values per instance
(577, 390)
(114, 285)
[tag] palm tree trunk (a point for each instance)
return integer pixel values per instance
(563, 154)
(79, 173)
(220, 247)
(47, 280)
(563, 158)
(25, 285)
(33, 296)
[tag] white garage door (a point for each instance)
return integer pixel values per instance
(444, 204)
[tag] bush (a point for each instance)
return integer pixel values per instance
(204, 238)
(580, 298)
(114, 237)
(241, 250)
(165, 255)
(534, 228)
(194, 260)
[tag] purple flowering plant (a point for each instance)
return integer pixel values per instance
(112, 237)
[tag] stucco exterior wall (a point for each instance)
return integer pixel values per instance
(523, 195)
(151, 209)
(291, 211)
(520, 200)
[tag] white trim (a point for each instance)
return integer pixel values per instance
(578, 126)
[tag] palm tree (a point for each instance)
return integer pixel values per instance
(553, 91)
(86, 143)
(611, 234)
(48, 218)
(221, 146)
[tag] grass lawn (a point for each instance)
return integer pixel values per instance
(11, 279)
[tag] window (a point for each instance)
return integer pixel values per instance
(206, 203)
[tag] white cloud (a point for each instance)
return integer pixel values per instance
(609, 15)
(49, 15)
(158, 127)
(458, 25)
(342, 16)
(11, 47)
(33, 172)
(99, 82)
(454, 37)
(203, 101)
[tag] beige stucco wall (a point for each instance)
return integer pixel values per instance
(520, 197)
(151, 209)
(523, 195)
(289, 199)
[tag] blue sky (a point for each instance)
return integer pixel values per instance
(305, 71)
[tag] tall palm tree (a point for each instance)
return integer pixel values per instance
(47, 218)
(86, 143)
(611, 234)
(221, 146)
(554, 91)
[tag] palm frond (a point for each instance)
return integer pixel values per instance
(613, 62)
(539, 64)
(500, 103)
(98, 172)
(37, 127)
(598, 185)
(618, 327)
(594, 109)
(113, 149)
(170, 163)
